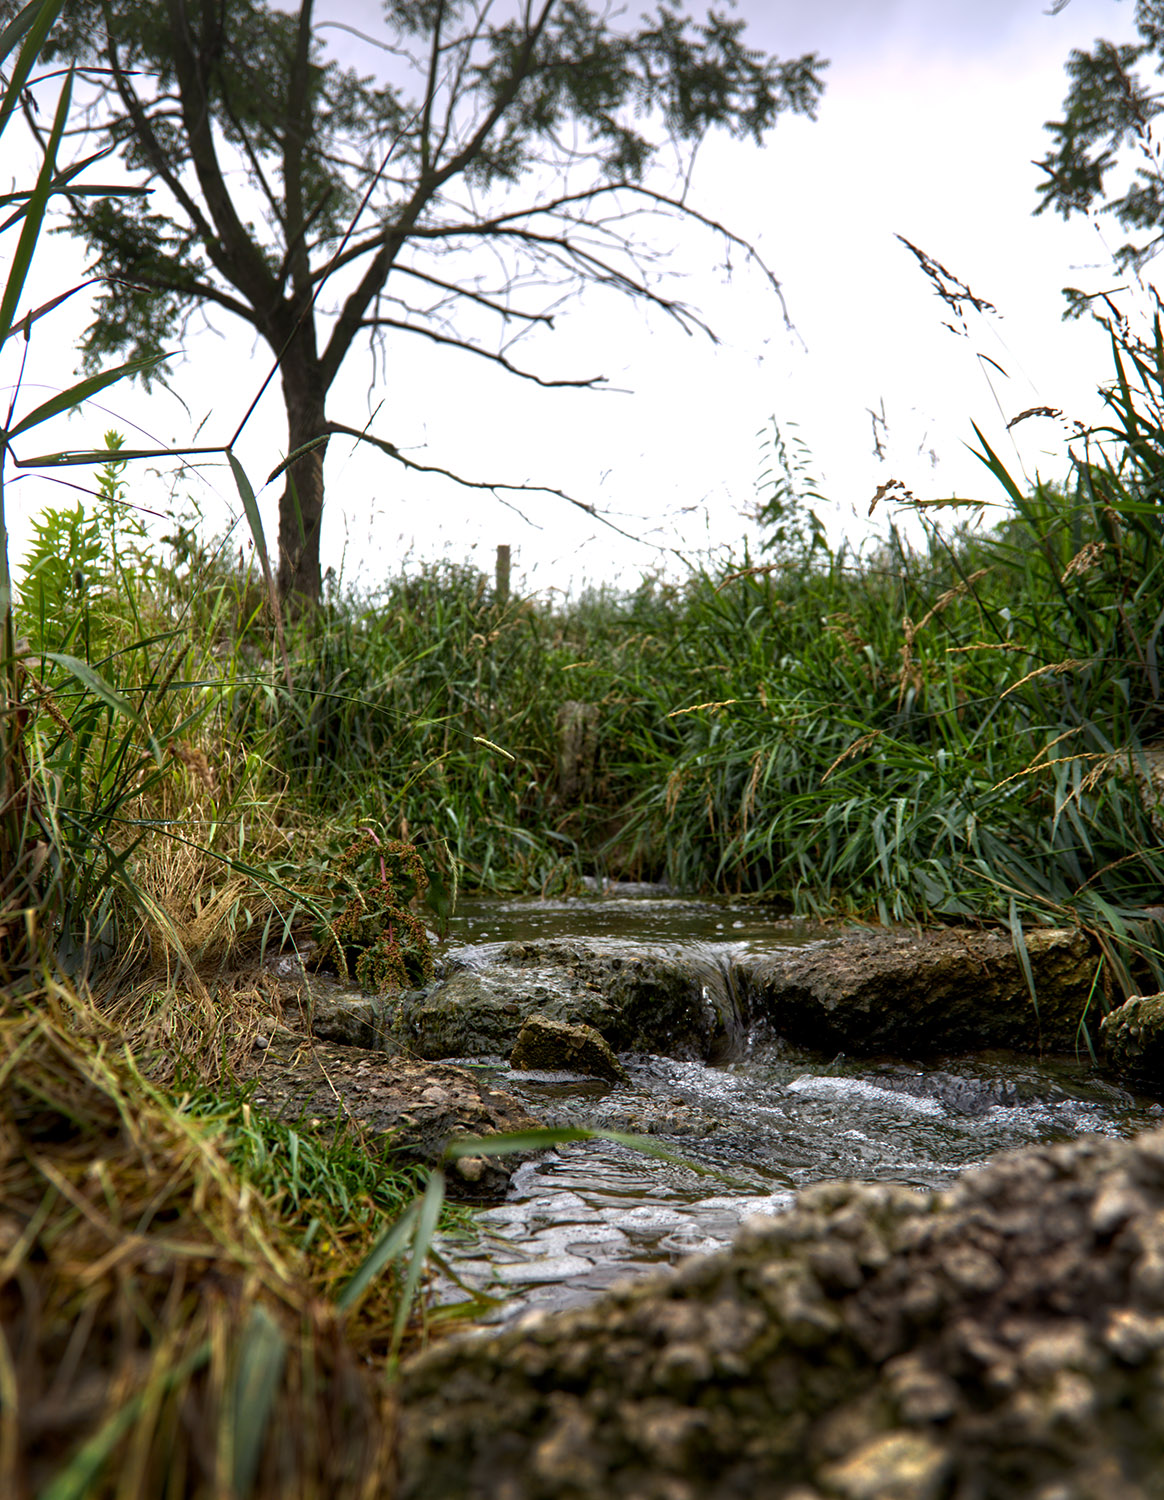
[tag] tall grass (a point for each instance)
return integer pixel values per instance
(90, 714)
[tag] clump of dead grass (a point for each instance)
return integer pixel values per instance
(157, 1334)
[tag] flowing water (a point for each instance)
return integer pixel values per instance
(741, 1136)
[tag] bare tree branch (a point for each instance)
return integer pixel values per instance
(502, 310)
(427, 185)
(338, 429)
(587, 384)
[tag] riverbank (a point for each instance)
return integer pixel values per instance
(762, 1055)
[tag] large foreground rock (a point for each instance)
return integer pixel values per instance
(1002, 1342)
(943, 990)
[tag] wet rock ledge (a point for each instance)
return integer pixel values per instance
(915, 992)
(863, 993)
(1004, 1341)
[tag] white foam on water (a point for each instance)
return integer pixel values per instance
(771, 1204)
(551, 1268)
(827, 1086)
(643, 1219)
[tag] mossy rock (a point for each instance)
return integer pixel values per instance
(1134, 1038)
(923, 992)
(550, 1046)
(641, 999)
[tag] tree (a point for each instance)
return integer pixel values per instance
(1110, 106)
(370, 208)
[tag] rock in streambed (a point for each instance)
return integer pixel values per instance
(550, 1046)
(642, 998)
(912, 993)
(1001, 1341)
(863, 992)
(1133, 1036)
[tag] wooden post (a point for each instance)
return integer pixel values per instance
(501, 590)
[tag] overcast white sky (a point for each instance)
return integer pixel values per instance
(931, 119)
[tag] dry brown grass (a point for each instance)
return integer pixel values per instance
(157, 1336)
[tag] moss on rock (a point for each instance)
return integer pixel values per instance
(551, 1045)
(1133, 1035)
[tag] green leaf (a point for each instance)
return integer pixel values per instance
(66, 400)
(997, 467)
(34, 216)
(71, 457)
(426, 1223)
(262, 1356)
(254, 519)
(96, 684)
(255, 522)
(36, 20)
(390, 1244)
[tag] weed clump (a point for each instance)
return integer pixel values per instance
(375, 936)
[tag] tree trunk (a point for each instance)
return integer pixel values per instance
(301, 504)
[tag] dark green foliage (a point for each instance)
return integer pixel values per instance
(1110, 107)
(431, 710)
(961, 729)
(55, 895)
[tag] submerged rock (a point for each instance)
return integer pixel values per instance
(1133, 1035)
(552, 1046)
(912, 993)
(1000, 1342)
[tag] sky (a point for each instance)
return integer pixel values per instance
(930, 124)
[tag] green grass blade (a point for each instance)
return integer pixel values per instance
(34, 217)
(36, 20)
(391, 1243)
(91, 679)
(262, 1357)
(426, 1223)
(76, 394)
(254, 519)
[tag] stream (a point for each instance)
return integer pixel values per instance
(740, 1136)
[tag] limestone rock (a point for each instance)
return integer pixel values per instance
(1002, 1341)
(864, 992)
(550, 1045)
(641, 998)
(932, 991)
(353, 1020)
(1134, 1037)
